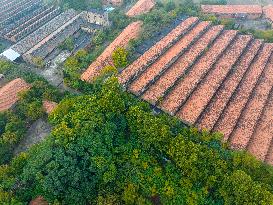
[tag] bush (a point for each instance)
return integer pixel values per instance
(108, 147)
(120, 58)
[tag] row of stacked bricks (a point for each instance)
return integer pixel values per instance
(9, 93)
(7, 4)
(141, 7)
(37, 20)
(41, 33)
(47, 45)
(8, 26)
(234, 11)
(16, 9)
(166, 60)
(129, 33)
(211, 78)
(240, 11)
(268, 13)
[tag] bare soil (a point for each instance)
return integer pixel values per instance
(38, 131)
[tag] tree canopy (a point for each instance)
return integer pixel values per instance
(110, 148)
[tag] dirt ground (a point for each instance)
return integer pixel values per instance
(36, 133)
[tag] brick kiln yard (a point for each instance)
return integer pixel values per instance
(211, 78)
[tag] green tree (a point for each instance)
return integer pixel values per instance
(120, 58)
(238, 188)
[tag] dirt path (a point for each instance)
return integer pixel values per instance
(38, 131)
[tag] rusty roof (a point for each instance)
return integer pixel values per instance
(211, 78)
(9, 93)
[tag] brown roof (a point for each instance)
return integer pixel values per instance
(141, 7)
(232, 9)
(38, 201)
(49, 106)
(213, 79)
(130, 32)
(8, 93)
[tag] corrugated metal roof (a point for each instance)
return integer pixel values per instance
(10, 54)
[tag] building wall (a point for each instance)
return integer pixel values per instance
(96, 18)
(113, 2)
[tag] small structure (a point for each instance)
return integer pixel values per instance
(49, 106)
(141, 7)
(10, 54)
(9, 93)
(234, 11)
(113, 2)
(130, 32)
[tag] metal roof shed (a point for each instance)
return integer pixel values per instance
(10, 54)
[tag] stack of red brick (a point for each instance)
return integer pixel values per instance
(9, 93)
(129, 33)
(141, 7)
(49, 106)
(234, 11)
(113, 2)
(268, 12)
(213, 79)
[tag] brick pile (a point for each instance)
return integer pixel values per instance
(141, 7)
(213, 79)
(237, 11)
(49, 106)
(268, 12)
(130, 32)
(9, 93)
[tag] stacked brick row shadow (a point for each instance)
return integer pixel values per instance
(211, 78)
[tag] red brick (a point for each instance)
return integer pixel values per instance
(183, 63)
(217, 105)
(201, 96)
